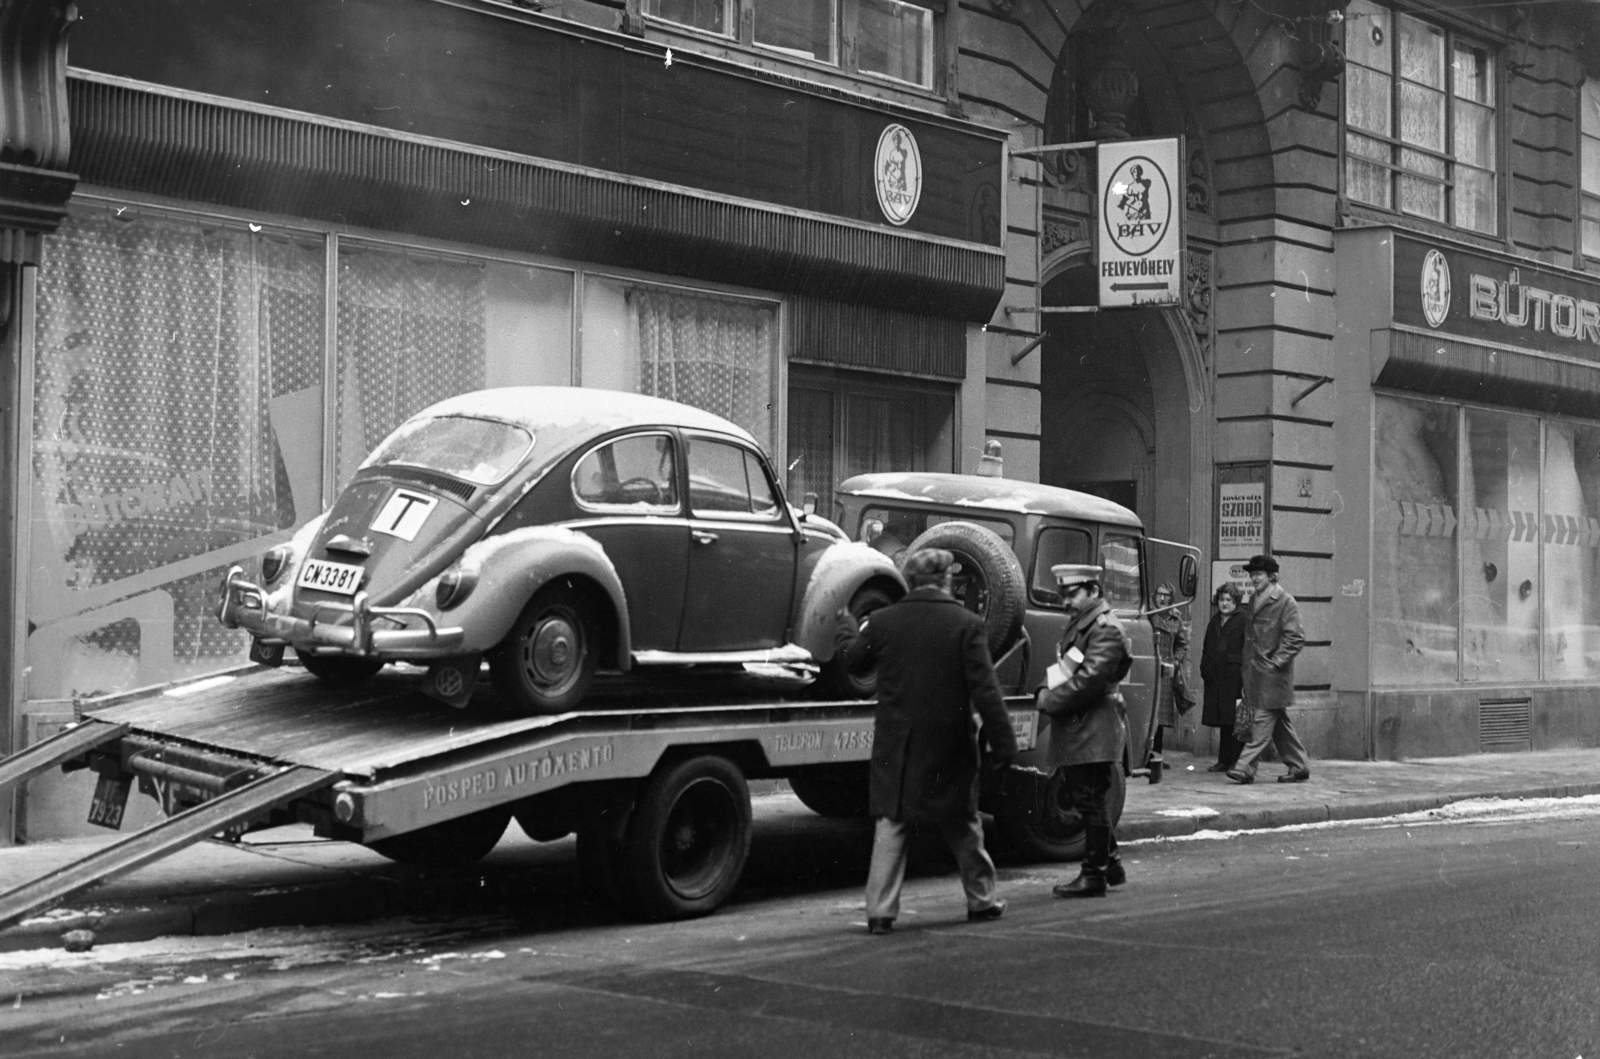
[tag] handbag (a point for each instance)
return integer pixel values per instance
(1244, 719)
(1181, 697)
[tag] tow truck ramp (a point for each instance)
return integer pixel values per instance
(138, 849)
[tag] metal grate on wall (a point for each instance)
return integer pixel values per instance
(1505, 724)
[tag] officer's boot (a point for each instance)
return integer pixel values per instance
(1115, 876)
(1091, 880)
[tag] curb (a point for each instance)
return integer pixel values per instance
(361, 899)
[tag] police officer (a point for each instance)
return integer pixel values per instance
(934, 674)
(1087, 724)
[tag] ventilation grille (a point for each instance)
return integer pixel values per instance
(439, 481)
(1505, 724)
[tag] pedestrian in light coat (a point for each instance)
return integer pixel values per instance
(934, 671)
(1272, 639)
(1088, 726)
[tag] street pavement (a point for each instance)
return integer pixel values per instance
(285, 877)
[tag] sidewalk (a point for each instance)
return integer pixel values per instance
(286, 878)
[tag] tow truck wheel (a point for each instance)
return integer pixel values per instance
(450, 844)
(547, 661)
(339, 669)
(689, 837)
(837, 682)
(838, 791)
(1038, 817)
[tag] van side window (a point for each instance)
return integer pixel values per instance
(1122, 555)
(1056, 545)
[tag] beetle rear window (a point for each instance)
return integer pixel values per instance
(480, 451)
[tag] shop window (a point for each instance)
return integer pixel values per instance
(806, 28)
(1571, 563)
(839, 427)
(1420, 119)
(891, 39)
(1589, 107)
(1415, 600)
(177, 428)
(710, 351)
(712, 16)
(415, 329)
(1499, 566)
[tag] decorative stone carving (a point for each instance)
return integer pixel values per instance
(1197, 300)
(1113, 88)
(1197, 176)
(1321, 59)
(1062, 231)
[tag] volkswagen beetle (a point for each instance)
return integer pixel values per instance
(556, 531)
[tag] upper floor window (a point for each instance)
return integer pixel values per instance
(1420, 119)
(1589, 123)
(892, 39)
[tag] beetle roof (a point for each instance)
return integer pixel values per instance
(993, 494)
(562, 416)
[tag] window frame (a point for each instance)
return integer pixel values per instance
(1393, 168)
(1588, 204)
(677, 507)
(846, 35)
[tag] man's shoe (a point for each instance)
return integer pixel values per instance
(1218, 767)
(1295, 777)
(1085, 885)
(1239, 776)
(986, 915)
(877, 925)
(1115, 875)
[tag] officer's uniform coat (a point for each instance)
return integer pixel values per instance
(933, 670)
(1087, 722)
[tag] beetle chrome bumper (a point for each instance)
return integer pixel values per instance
(243, 605)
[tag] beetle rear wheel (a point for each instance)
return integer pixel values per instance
(547, 661)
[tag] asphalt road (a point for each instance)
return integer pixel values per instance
(1454, 938)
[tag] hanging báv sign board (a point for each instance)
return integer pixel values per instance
(1241, 519)
(1141, 219)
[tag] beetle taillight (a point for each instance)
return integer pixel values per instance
(274, 563)
(455, 585)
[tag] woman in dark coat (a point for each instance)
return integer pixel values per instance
(1220, 667)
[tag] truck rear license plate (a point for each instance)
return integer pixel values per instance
(330, 577)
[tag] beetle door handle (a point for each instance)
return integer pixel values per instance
(705, 537)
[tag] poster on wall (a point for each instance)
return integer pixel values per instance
(1225, 572)
(1141, 218)
(1241, 519)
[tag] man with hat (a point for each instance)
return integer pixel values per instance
(933, 671)
(1087, 724)
(1272, 637)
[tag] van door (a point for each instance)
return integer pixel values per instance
(1122, 553)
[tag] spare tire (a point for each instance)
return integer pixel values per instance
(990, 582)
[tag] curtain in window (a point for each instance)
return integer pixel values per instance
(811, 446)
(173, 362)
(411, 333)
(1368, 102)
(894, 39)
(1422, 114)
(712, 353)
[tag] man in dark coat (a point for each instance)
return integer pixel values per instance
(933, 670)
(1088, 724)
(1272, 638)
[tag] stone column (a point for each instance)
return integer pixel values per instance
(34, 189)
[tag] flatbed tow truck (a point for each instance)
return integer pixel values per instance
(652, 777)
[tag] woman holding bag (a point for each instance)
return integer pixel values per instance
(1221, 659)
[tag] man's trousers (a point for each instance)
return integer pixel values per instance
(1273, 726)
(888, 871)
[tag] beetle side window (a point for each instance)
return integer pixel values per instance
(1056, 544)
(636, 473)
(1122, 555)
(726, 481)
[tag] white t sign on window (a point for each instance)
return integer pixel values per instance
(404, 514)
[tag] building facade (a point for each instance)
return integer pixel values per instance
(242, 242)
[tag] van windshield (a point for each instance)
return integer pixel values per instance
(480, 451)
(1122, 556)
